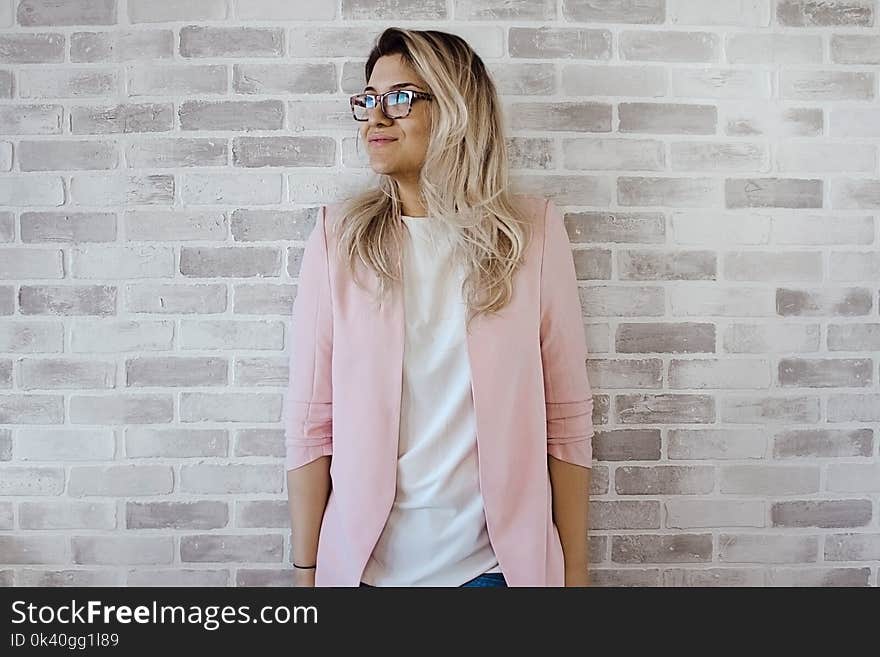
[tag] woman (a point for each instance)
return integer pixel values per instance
(438, 420)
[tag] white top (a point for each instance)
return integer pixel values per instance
(436, 532)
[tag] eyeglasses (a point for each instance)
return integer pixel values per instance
(396, 104)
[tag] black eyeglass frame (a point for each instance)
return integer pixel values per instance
(380, 101)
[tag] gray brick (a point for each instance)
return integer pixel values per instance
(231, 115)
(436, 9)
(67, 515)
(769, 480)
(852, 547)
(627, 445)
(122, 119)
(30, 263)
(121, 46)
(721, 373)
(855, 194)
(848, 577)
(24, 337)
(825, 373)
(175, 299)
(568, 43)
(764, 338)
(768, 548)
(121, 409)
(66, 227)
(30, 119)
(793, 49)
(175, 371)
(283, 10)
(226, 334)
(674, 46)
(263, 299)
(67, 300)
(67, 83)
(568, 116)
(122, 189)
(826, 85)
(149, 442)
(685, 337)
(770, 409)
(773, 193)
(127, 262)
(65, 444)
(202, 41)
(170, 80)
(262, 514)
(821, 513)
(661, 548)
(664, 480)
(855, 49)
(645, 12)
(757, 119)
(823, 443)
(810, 13)
(230, 407)
(122, 550)
(263, 577)
(628, 577)
(7, 84)
(846, 301)
(5, 446)
(693, 577)
(228, 479)
(693, 514)
(284, 151)
(234, 261)
(69, 12)
(675, 192)
(120, 480)
(177, 153)
(261, 442)
(854, 477)
(32, 550)
(665, 408)
(292, 78)
(67, 578)
(249, 548)
(60, 373)
(853, 337)
(56, 155)
(261, 372)
(31, 48)
(128, 335)
(272, 225)
(625, 514)
(177, 225)
(30, 190)
(31, 409)
(20, 480)
(663, 265)
(205, 514)
(150, 11)
(178, 577)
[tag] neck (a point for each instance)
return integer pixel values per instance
(410, 198)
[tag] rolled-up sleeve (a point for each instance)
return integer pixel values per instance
(567, 391)
(308, 402)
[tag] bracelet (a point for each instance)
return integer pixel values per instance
(304, 567)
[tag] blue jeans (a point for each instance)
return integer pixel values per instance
(486, 579)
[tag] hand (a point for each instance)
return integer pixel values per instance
(304, 578)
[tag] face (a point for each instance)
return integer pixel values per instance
(401, 158)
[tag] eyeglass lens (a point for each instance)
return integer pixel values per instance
(395, 105)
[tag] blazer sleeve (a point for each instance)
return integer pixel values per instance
(308, 403)
(567, 391)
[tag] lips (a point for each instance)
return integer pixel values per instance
(381, 140)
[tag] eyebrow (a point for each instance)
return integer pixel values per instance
(394, 86)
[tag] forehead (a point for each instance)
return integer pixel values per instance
(391, 71)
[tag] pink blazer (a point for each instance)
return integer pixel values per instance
(530, 391)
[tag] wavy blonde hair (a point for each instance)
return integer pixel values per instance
(463, 181)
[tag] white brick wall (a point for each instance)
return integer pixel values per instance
(162, 161)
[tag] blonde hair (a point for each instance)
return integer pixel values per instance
(463, 181)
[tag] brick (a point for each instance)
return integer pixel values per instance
(120, 480)
(67, 300)
(263, 299)
(178, 577)
(176, 371)
(65, 444)
(283, 10)
(272, 225)
(854, 266)
(768, 548)
(854, 477)
(24, 337)
(262, 513)
(846, 337)
(121, 409)
(67, 578)
(675, 46)
(263, 577)
(249, 548)
(31, 48)
(31, 409)
(226, 479)
(202, 41)
(261, 372)
(436, 9)
(770, 409)
(691, 514)
(793, 49)
(32, 550)
(693, 577)
(30, 119)
(752, 119)
(825, 373)
(704, 156)
(21, 480)
(645, 12)
(826, 85)
(67, 83)
(662, 408)
(57, 155)
(226, 334)
(149, 442)
(721, 373)
(567, 116)
(177, 225)
(176, 79)
(852, 547)
(724, 83)
(284, 151)
(176, 153)
(292, 78)
(568, 43)
(843, 301)
(6, 450)
(235, 188)
(175, 299)
(122, 190)
(854, 194)
(124, 46)
(612, 154)
(748, 13)
(122, 550)
(664, 480)
(675, 192)
(149, 11)
(30, 191)
(821, 513)
(685, 337)
(230, 407)
(625, 514)
(465, 9)
(205, 514)
(769, 480)
(115, 262)
(661, 548)
(122, 119)
(235, 261)
(810, 13)
(261, 442)
(126, 335)
(662, 265)
(628, 577)
(30, 263)
(770, 266)
(7, 84)
(67, 515)
(69, 12)
(848, 577)
(823, 443)
(68, 227)
(231, 115)
(855, 49)
(60, 373)
(854, 408)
